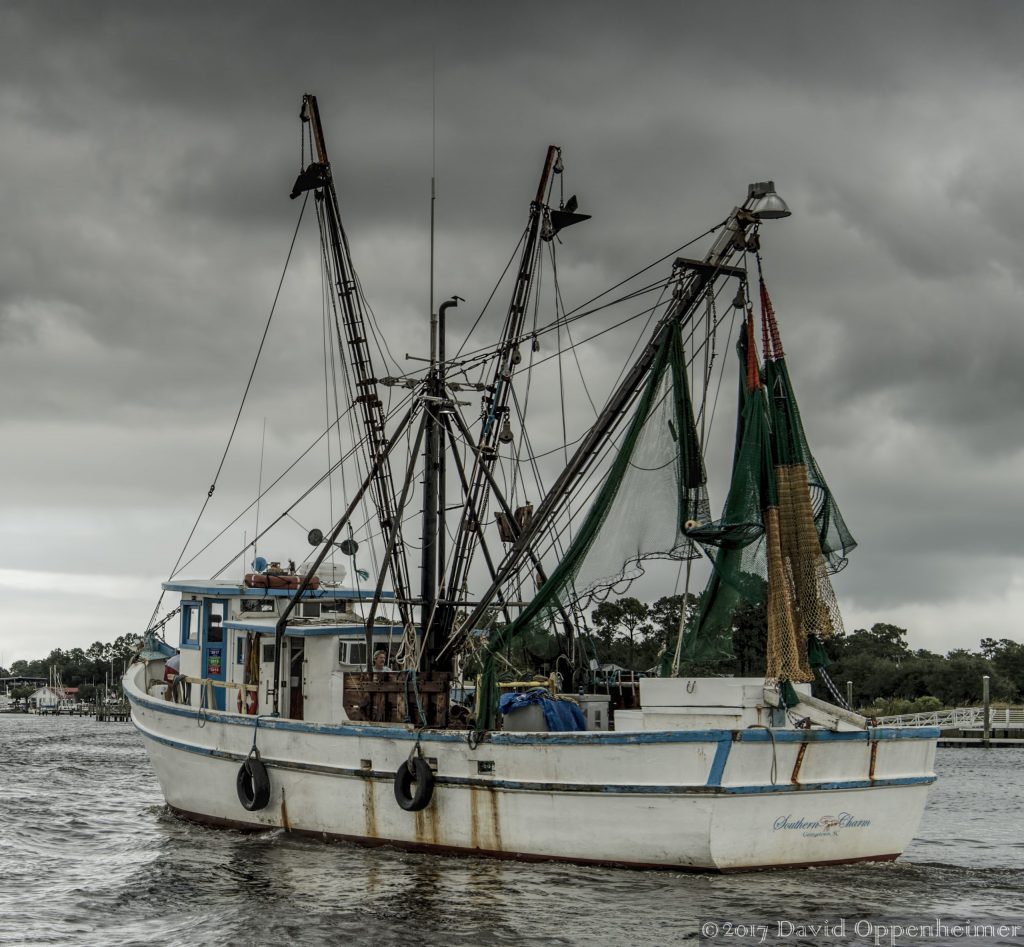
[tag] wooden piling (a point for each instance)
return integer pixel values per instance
(987, 719)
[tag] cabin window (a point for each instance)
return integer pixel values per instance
(268, 653)
(352, 652)
(310, 609)
(335, 607)
(190, 618)
(257, 605)
(240, 649)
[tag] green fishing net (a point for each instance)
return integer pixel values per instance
(652, 492)
(781, 532)
(778, 538)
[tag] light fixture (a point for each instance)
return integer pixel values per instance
(765, 203)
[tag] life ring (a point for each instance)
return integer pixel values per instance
(253, 783)
(251, 704)
(415, 770)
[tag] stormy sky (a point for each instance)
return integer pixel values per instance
(147, 152)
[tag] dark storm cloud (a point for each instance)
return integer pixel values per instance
(147, 152)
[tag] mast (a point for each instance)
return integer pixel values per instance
(495, 407)
(318, 177)
(429, 553)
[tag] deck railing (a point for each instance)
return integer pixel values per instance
(960, 718)
(206, 689)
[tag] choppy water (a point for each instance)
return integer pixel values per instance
(89, 855)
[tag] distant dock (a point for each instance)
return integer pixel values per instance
(77, 711)
(965, 726)
(113, 713)
(109, 712)
(993, 742)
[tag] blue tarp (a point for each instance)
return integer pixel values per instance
(559, 715)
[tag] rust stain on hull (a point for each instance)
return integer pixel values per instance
(484, 826)
(370, 808)
(426, 824)
(474, 818)
(495, 819)
(284, 813)
(795, 778)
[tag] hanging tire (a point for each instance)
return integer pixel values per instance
(253, 784)
(414, 784)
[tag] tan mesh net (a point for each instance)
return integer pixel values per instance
(801, 600)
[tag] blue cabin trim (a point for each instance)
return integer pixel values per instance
(348, 631)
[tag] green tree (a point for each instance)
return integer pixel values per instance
(664, 622)
(750, 639)
(22, 668)
(1007, 658)
(959, 681)
(884, 641)
(626, 619)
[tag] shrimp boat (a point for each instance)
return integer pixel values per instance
(495, 728)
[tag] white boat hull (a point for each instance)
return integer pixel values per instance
(685, 799)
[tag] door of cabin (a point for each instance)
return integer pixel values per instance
(215, 659)
(296, 659)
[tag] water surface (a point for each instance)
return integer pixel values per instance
(89, 855)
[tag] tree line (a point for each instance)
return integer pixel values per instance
(84, 668)
(887, 675)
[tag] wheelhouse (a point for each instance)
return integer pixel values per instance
(226, 643)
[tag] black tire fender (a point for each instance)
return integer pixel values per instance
(253, 784)
(415, 770)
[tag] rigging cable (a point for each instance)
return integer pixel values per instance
(595, 477)
(578, 313)
(330, 380)
(476, 322)
(245, 394)
(299, 499)
(329, 277)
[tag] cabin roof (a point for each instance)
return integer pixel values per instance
(310, 627)
(230, 589)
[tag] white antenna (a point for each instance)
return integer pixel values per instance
(259, 492)
(433, 198)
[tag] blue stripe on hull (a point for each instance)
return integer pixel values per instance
(587, 738)
(713, 786)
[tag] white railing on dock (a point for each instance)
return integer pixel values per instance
(961, 718)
